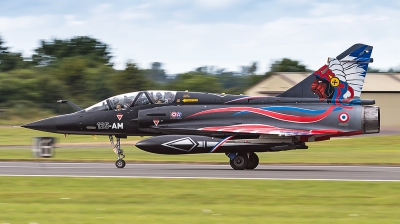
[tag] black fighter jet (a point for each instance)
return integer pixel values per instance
(325, 104)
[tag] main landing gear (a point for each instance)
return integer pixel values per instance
(120, 163)
(241, 161)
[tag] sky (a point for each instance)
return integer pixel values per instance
(184, 35)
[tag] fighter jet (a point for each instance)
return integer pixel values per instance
(326, 104)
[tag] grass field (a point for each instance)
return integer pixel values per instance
(22, 136)
(121, 200)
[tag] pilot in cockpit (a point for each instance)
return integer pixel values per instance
(127, 102)
(158, 98)
(115, 101)
(168, 97)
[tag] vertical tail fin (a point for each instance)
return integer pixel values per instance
(339, 81)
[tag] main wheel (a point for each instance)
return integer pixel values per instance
(120, 163)
(253, 161)
(239, 162)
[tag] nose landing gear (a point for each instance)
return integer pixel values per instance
(120, 163)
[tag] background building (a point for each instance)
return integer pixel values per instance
(384, 88)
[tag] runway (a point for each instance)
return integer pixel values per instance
(267, 172)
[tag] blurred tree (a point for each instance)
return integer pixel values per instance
(156, 66)
(219, 71)
(56, 49)
(372, 70)
(202, 69)
(228, 80)
(156, 73)
(249, 70)
(245, 70)
(30, 85)
(287, 65)
(209, 70)
(49, 90)
(253, 68)
(98, 84)
(9, 60)
(3, 49)
(72, 72)
(196, 81)
(130, 80)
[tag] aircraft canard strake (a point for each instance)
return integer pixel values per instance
(326, 104)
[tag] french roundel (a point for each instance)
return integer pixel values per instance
(173, 114)
(343, 117)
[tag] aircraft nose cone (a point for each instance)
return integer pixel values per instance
(48, 125)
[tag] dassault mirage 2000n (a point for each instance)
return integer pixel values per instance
(326, 104)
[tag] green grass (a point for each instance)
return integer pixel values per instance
(22, 136)
(18, 116)
(123, 200)
(362, 150)
(314, 155)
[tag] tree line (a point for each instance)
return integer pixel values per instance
(80, 69)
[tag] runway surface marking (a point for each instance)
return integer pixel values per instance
(202, 171)
(91, 165)
(204, 178)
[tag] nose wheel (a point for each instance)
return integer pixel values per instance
(120, 163)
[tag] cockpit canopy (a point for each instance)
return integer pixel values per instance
(133, 99)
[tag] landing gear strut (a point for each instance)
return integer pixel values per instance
(120, 163)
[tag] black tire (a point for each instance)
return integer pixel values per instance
(239, 162)
(253, 161)
(120, 163)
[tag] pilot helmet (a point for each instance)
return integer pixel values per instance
(168, 95)
(158, 96)
(115, 100)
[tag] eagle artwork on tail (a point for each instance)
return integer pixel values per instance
(340, 81)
